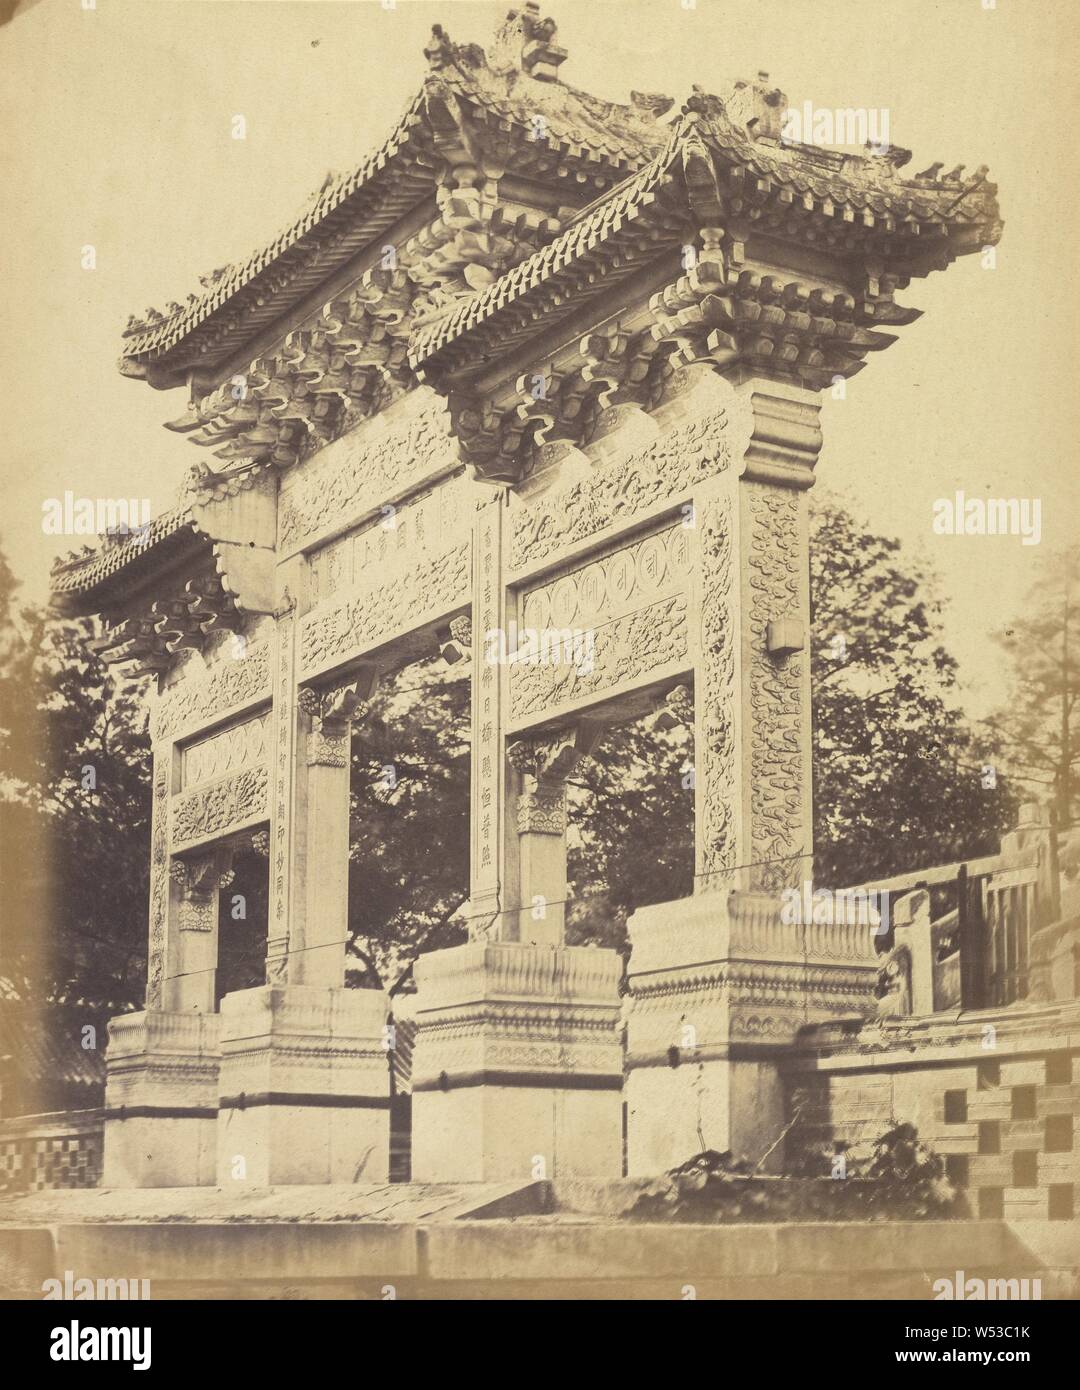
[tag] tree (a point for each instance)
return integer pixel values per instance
(900, 780)
(409, 840)
(74, 816)
(631, 831)
(1038, 727)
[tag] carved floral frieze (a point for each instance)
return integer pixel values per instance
(221, 806)
(777, 696)
(240, 676)
(363, 470)
(623, 652)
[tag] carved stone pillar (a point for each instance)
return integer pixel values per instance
(283, 769)
(197, 881)
(492, 850)
(162, 1065)
(321, 869)
(722, 981)
(543, 764)
(752, 664)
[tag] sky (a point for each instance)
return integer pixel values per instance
(120, 124)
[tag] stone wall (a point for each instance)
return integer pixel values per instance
(42, 1152)
(995, 1092)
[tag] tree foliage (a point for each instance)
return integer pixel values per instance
(74, 815)
(899, 776)
(1039, 728)
(409, 833)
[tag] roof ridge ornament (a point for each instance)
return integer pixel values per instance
(530, 43)
(442, 52)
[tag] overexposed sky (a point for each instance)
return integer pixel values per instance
(118, 124)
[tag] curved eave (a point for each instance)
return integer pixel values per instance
(355, 211)
(959, 221)
(105, 580)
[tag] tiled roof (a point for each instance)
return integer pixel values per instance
(41, 1052)
(166, 331)
(595, 225)
(568, 135)
(853, 182)
(82, 574)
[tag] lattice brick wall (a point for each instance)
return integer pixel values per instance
(49, 1151)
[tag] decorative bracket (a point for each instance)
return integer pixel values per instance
(545, 762)
(199, 879)
(332, 714)
(455, 640)
(674, 710)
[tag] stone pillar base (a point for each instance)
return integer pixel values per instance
(304, 1087)
(161, 1100)
(720, 986)
(517, 1067)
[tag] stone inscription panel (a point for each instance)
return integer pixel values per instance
(378, 610)
(425, 525)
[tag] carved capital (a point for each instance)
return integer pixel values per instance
(542, 811)
(550, 757)
(785, 436)
(199, 879)
(332, 715)
(545, 762)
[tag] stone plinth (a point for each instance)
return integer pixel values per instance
(304, 1086)
(161, 1100)
(517, 1069)
(720, 987)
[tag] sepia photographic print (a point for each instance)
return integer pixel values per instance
(540, 679)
